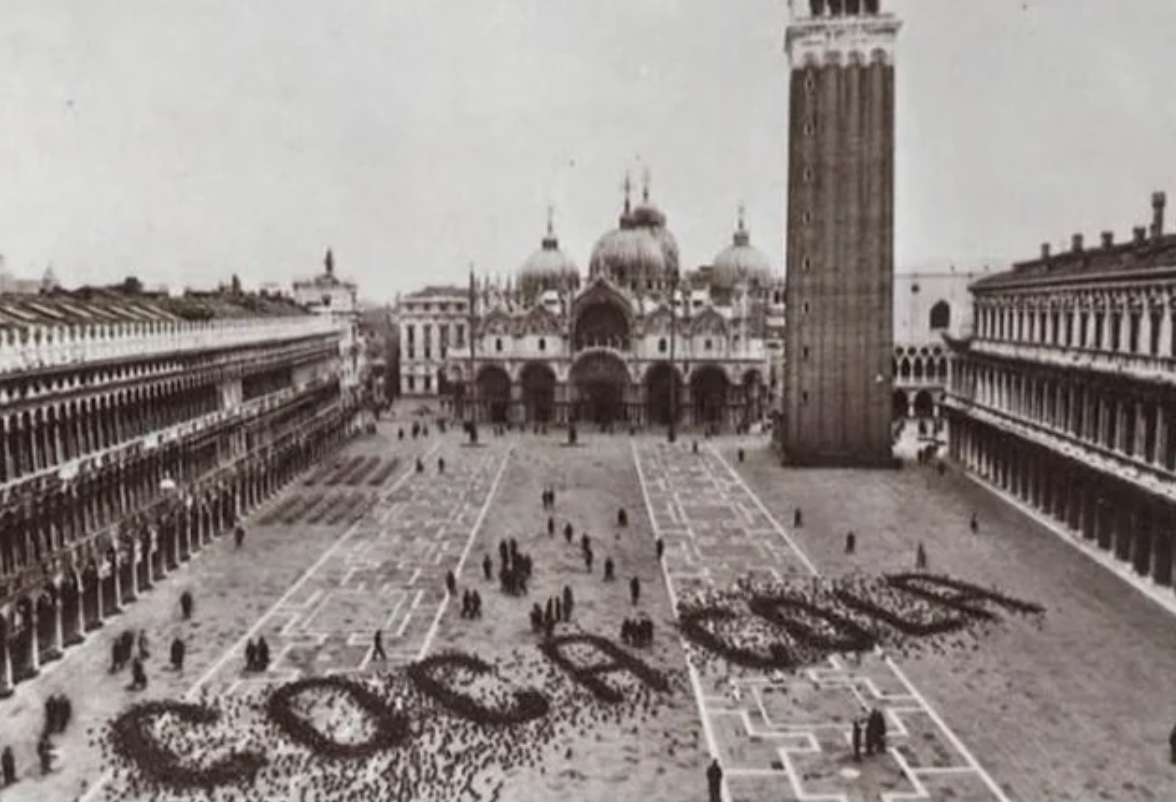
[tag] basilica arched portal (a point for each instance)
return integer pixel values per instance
(663, 391)
(538, 382)
(602, 324)
(494, 394)
(708, 388)
(599, 381)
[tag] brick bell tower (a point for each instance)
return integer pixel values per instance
(839, 283)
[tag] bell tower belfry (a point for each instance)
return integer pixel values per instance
(839, 281)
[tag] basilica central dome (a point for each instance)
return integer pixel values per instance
(641, 254)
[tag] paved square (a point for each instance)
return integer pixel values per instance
(1068, 708)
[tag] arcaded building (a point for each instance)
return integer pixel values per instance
(928, 305)
(840, 236)
(1064, 395)
(636, 342)
(136, 428)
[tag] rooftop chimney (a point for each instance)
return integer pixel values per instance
(1108, 239)
(1045, 251)
(1076, 243)
(1140, 234)
(1159, 200)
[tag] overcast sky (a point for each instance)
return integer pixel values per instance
(185, 140)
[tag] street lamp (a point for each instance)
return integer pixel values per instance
(671, 433)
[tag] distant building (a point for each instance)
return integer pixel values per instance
(1064, 393)
(326, 295)
(927, 305)
(636, 343)
(12, 285)
(431, 323)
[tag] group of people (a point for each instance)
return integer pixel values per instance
(257, 655)
(869, 733)
(637, 632)
(471, 604)
(123, 651)
(557, 609)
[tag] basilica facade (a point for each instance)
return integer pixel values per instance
(636, 342)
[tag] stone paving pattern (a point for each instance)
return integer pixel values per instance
(793, 729)
(233, 588)
(1074, 710)
(1069, 710)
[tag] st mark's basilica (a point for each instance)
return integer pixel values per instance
(640, 342)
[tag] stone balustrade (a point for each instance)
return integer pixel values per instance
(1142, 367)
(44, 346)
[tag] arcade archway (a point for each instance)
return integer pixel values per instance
(708, 386)
(602, 324)
(924, 405)
(753, 396)
(538, 381)
(899, 405)
(663, 392)
(599, 381)
(494, 393)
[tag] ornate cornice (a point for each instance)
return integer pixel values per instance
(842, 40)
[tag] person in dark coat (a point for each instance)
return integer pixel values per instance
(850, 542)
(661, 549)
(8, 765)
(635, 589)
(177, 654)
(488, 567)
(714, 781)
(622, 517)
(921, 558)
(609, 569)
(857, 739)
(186, 604)
(451, 583)
(378, 646)
(1172, 744)
(798, 518)
(239, 535)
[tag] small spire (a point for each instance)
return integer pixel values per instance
(628, 186)
(742, 235)
(646, 178)
(550, 220)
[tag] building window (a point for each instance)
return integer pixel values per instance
(1099, 319)
(1083, 328)
(411, 351)
(412, 384)
(808, 129)
(940, 316)
(804, 353)
(542, 344)
(460, 335)
(1116, 321)
(808, 175)
(1133, 333)
(807, 217)
(706, 344)
(410, 332)
(428, 353)
(428, 383)
(661, 345)
(805, 264)
(498, 344)
(1157, 321)
(804, 397)
(1070, 328)
(804, 308)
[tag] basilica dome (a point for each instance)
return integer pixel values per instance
(548, 268)
(741, 262)
(640, 254)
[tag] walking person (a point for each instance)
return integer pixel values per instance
(921, 558)
(378, 646)
(857, 739)
(714, 781)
